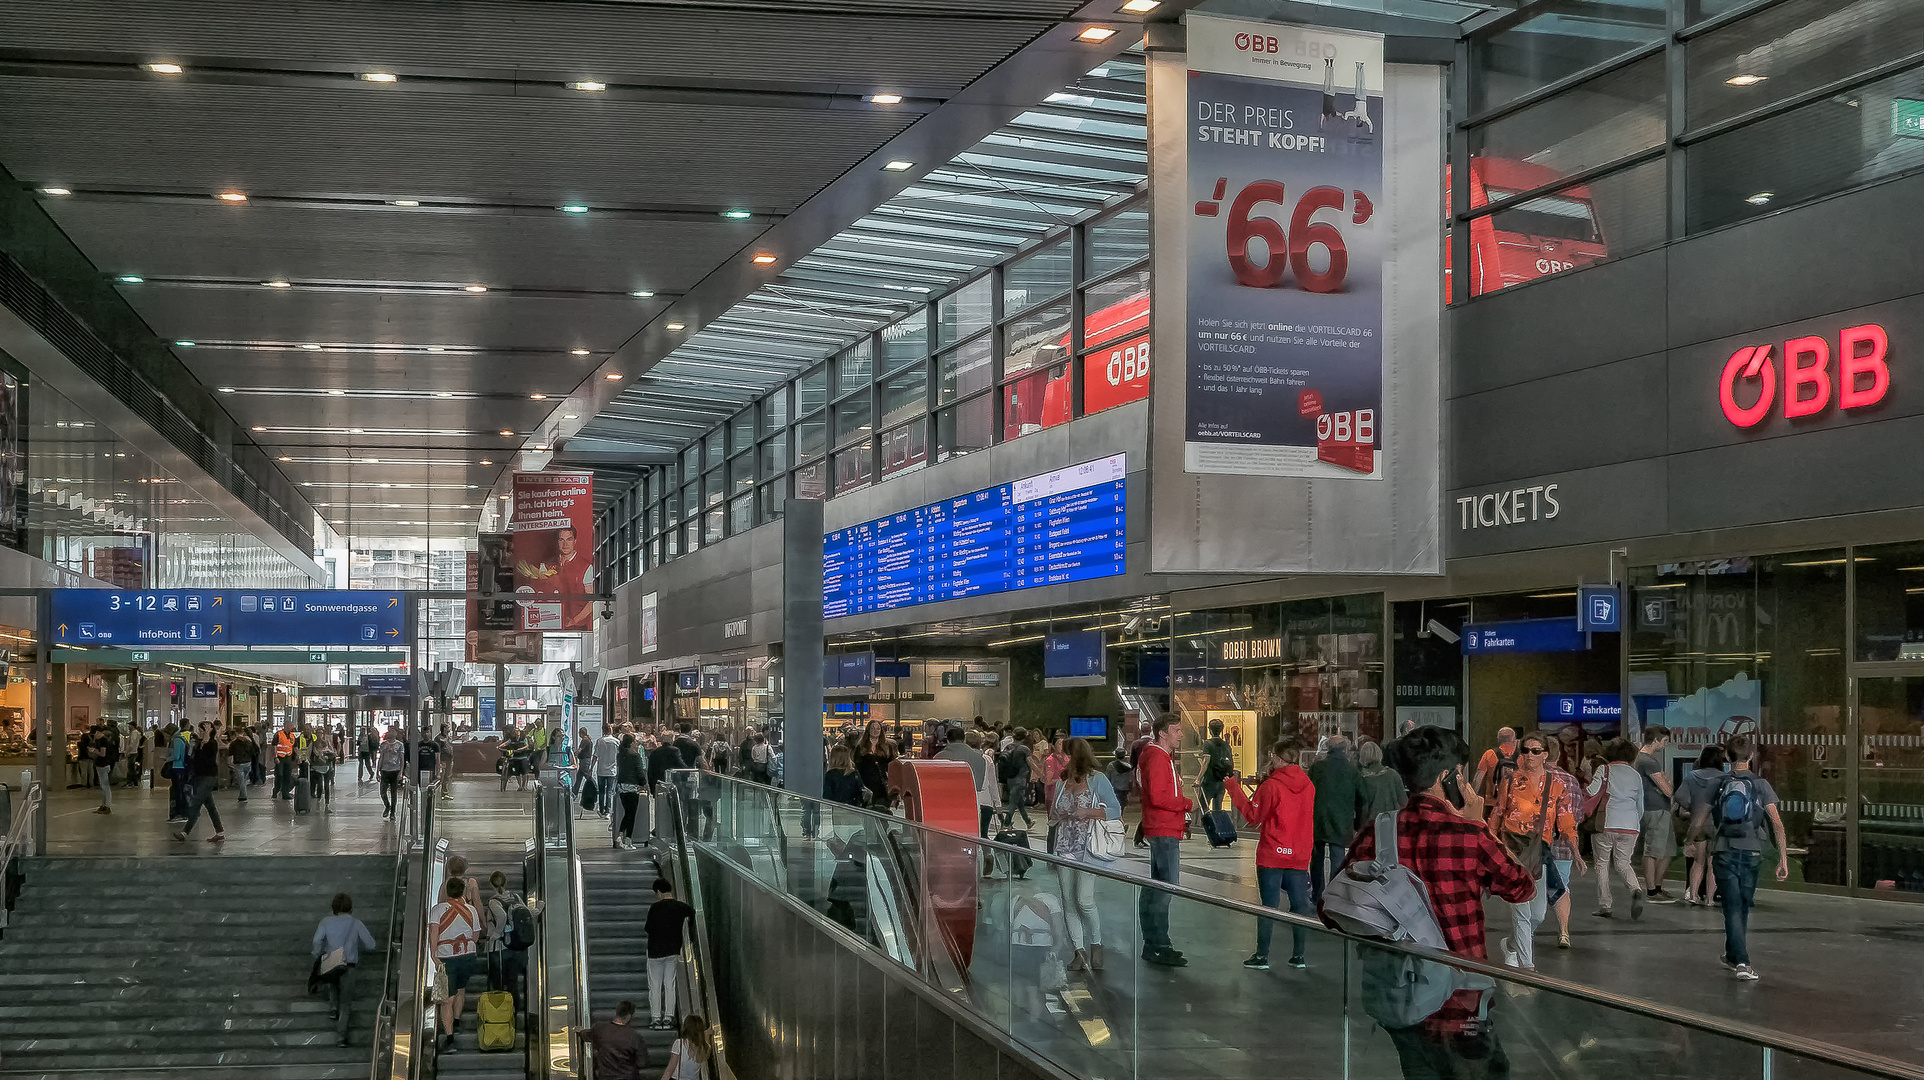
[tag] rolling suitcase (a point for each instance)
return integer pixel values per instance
(303, 795)
(496, 1012)
(1219, 827)
(1018, 864)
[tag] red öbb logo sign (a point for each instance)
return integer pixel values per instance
(1863, 376)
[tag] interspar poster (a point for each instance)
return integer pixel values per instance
(554, 541)
(1285, 264)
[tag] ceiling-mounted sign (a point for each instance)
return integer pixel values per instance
(193, 617)
(1523, 636)
(387, 685)
(206, 690)
(1599, 608)
(1907, 118)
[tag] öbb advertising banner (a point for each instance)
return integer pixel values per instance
(1284, 256)
(554, 540)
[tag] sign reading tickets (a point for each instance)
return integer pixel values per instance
(1284, 254)
(554, 541)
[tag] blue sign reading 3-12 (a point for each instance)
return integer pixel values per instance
(210, 618)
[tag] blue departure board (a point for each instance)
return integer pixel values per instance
(1062, 526)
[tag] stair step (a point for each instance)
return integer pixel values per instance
(343, 1070)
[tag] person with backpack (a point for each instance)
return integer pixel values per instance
(508, 924)
(1732, 820)
(1496, 765)
(1702, 782)
(339, 940)
(1534, 810)
(1012, 769)
(760, 762)
(1339, 800)
(456, 939)
(1617, 793)
(1442, 840)
(202, 772)
(392, 762)
(1165, 814)
(1283, 814)
(1217, 765)
(179, 741)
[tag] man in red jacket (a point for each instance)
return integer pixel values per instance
(1283, 812)
(1164, 814)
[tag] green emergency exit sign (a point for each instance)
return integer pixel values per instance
(1907, 118)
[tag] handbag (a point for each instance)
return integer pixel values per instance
(438, 989)
(1593, 806)
(333, 963)
(1528, 850)
(1105, 840)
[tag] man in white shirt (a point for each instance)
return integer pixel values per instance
(457, 936)
(606, 748)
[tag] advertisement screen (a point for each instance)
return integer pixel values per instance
(554, 542)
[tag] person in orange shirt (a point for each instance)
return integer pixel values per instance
(1532, 812)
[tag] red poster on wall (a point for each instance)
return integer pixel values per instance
(554, 542)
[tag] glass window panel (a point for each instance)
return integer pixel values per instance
(965, 428)
(1890, 602)
(811, 481)
(904, 394)
(964, 371)
(905, 448)
(691, 461)
(852, 419)
(1035, 401)
(1793, 47)
(771, 499)
(962, 312)
(741, 514)
(716, 446)
(811, 391)
(671, 543)
(1567, 37)
(741, 473)
(1116, 308)
(690, 502)
(714, 526)
(691, 536)
(741, 431)
(1826, 146)
(673, 505)
(906, 340)
(854, 368)
(1608, 218)
(775, 410)
(1030, 280)
(1697, 11)
(713, 485)
(854, 467)
(774, 455)
(1117, 241)
(654, 519)
(1036, 340)
(811, 438)
(1604, 119)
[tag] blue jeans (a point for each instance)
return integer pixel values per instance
(1737, 888)
(1152, 905)
(1327, 859)
(605, 793)
(1272, 882)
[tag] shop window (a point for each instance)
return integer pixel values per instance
(774, 409)
(1601, 120)
(1116, 308)
(904, 394)
(1035, 340)
(1567, 36)
(1036, 401)
(852, 419)
(1793, 47)
(906, 340)
(811, 438)
(854, 467)
(965, 428)
(811, 481)
(771, 499)
(811, 391)
(964, 370)
(1890, 603)
(963, 312)
(741, 473)
(905, 448)
(741, 514)
(1035, 278)
(1117, 241)
(854, 368)
(1607, 218)
(774, 455)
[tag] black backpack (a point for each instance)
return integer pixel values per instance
(1007, 768)
(520, 935)
(1220, 765)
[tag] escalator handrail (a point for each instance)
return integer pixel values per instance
(701, 980)
(412, 969)
(535, 1050)
(581, 1013)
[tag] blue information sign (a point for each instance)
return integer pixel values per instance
(1564, 708)
(1523, 636)
(206, 689)
(1599, 608)
(207, 618)
(1068, 525)
(1075, 654)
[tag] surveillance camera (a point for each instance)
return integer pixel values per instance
(1443, 632)
(608, 609)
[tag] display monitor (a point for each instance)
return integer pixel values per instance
(1073, 659)
(1088, 727)
(1058, 527)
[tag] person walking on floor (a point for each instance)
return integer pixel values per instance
(202, 773)
(1164, 814)
(1218, 764)
(106, 754)
(606, 750)
(666, 920)
(343, 934)
(1620, 787)
(1283, 813)
(1083, 797)
(1659, 827)
(619, 1052)
(1339, 799)
(1531, 813)
(961, 748)
(367, 746)
(1700, 885)
(323, 758)
(1013, 769)
(241, 752)
(1380, 787)
(392, 762)
(284, 764)
(1493, 769)
(631, 777)
(1732, 820)
(456, 938)
(179, 743)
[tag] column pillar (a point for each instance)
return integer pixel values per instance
(802, 646)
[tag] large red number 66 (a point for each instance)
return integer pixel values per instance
(1308, 234)
(1242, 228)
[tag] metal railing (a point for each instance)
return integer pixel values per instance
(686, 785)
(582, 1015)
(19, 844)
(412, 1045)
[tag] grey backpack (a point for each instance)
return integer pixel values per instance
(1384, 899)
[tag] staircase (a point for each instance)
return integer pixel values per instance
(618, 890)
(170, 967)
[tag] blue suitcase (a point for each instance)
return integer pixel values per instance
(1219, 827)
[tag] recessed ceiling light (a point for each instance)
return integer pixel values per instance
(588, 84)
(308, 345)
(506, 434)
(184, 344)
(574, 208)
(475, 288)
(1745, 80)
(444, 393)
(886, 99)
(407, 202)
(226, 389)
(764, 259)
(277, 284)
(378, 76)
(337, 393)
(164, 68)
(642, 293)
(571, 416)
(1097, 33)
(577, 352)
(487, 461)
(287, 459)
(1761, 198)
(537, 397)
(1141, 7)
(437, 348)
(613, 376)
(56, 191)
(676, 326)
(737, 215)
(232, 196)
(132, 279)
(899, 166)
(260, 429)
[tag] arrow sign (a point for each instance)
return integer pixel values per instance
(217, 628)
(217, 599)
(63, 629)
(393, 633)
(393, 601)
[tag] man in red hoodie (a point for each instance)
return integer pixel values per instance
(1283, 812)
(1164, 814)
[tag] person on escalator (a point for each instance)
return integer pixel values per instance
(457, 932)
(663, 760)
(666, 919)
(619, 1052)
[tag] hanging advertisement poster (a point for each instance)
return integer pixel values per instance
(494, 633)
(553, 525)
(1285, 352)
